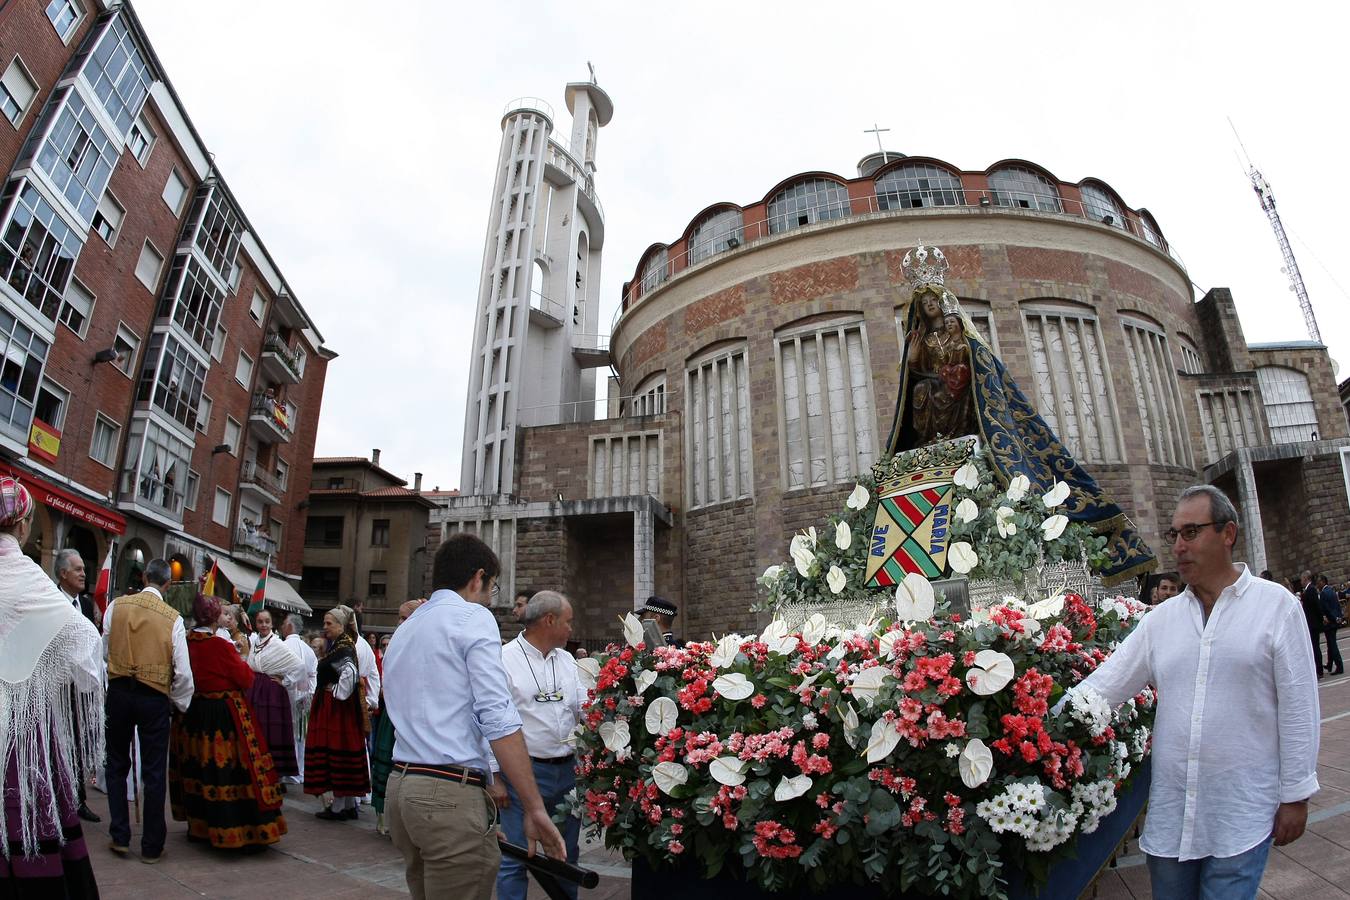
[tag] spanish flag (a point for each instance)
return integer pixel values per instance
(209, 582)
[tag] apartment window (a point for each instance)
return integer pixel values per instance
(149, 265)
(193, 300)
(141, 140)
(219, 233)
(718, 425)
(1191, 363)
(126, 344)
(175, 189)
(79, 156)
(320, 582)
(1156, 392)
(1228, 421)
(623, 465)
(1073, 393)
(1099, 205)
(37, 249)
(194, 486)
(378, 583)
(103, 446)
(1019, 187)
(64, 16)
(22, 355)
(218, 344)
(650, 397)
(917, 186)
(806, 202)
(716, 232)
(275, 526)
(323, 531)
(656, 270)
(118, 74)
(283, 474)
(379, 533)
(337, 484)
(108, 219)
(76, 306)
(172, 380)
(161, 475)
(257, 307)
(52, 402)
(220, 510)
(243, 369)
(17, 90)
(232, 432)
(825, 404)
(204, 413)
(1289, 404)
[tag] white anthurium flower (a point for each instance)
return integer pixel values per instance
(1018, 487)
(811, 533)
(867, 682)
(914, 599)
(1047, 609)
(883, 740)
(669, 775)
(837, 653)
(859, 498)
(962, 557)
(1056, 495)
(728, 770)
(614, 735)
(886, 643)
(851, 725)
(734, 686)
(726, 651)
(1054, 526)
(632, 629)
(772, 573)
(836, 579)
(792, 788)
(975, 764)
(967, 477)
(661, 715)
(588, 671)
(1003, 518)
(967, 510)
(991, 673)
(777, 638)
(773, 632)
(813, 629)
(843, 536)
(645, 680)
(801, 554)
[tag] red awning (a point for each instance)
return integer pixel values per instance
(67, 502)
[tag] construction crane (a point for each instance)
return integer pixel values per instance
(1290, 268)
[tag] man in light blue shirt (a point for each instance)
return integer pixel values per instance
(450, 702)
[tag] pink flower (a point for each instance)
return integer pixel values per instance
(759, 701)
(675, 847)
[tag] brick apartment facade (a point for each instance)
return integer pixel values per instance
(162, 384)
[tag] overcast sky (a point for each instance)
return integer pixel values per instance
(361, 141)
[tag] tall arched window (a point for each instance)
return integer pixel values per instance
(1152, 234)
(1018, 186)
(656, 270)
(1073, 388)
(717, 231)
(807, 201)
(916, 185)
(1289, 404)
(1101, 206)
(1156, 392)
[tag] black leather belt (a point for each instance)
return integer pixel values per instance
(461, 774)
(555, 761)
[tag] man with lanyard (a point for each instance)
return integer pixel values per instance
(1235, 745)
(544, 687)
(70, 579)
(662, 612)
(447, 695)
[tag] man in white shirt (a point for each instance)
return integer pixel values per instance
(445, 691)
(544, 688)
(303, 692)
(1236, 737)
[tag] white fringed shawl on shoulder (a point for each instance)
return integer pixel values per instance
(46, 648)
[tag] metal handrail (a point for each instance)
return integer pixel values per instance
(252, 472)
(254, 540)
(562, 157)
(275, 345)
(534, 104)
(275, 410)
(583, 341)
(570, 412)
(888, 203)
(547, 305)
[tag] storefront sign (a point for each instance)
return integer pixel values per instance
(67, 502)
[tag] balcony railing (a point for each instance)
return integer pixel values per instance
(276, 346)
(278, 415)
(251, 540)
(146, 489)
(637, 407)
(252, 473)
(548, 306)
(560, 156)
(899, 203)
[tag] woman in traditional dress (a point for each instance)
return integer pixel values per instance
(50, 735)
(276, 671)
(221, 778)
(335, 747)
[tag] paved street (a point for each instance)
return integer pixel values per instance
(339, 860)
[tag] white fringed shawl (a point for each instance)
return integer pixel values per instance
(46, 647)
(271, 656)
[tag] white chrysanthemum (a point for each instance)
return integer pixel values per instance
(1089, 708)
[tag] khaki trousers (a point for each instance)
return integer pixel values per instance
(447, 833)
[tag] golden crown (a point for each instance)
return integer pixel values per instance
(925, 265)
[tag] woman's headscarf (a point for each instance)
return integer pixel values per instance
(206, 609)
(16, 504)
(346, 617)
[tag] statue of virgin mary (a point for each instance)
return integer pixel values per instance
(952, 385)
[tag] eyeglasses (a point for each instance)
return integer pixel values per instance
(549, 697)
(1187, 533)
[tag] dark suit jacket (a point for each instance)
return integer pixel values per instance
(1330, 603)
(1312, 606)
(87, 608)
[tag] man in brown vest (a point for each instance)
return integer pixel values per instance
(148, 670)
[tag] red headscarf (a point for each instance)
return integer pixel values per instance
(16, 504)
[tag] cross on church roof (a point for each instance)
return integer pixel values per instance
(877, 130)
(592, 68)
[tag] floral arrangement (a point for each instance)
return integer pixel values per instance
(996, 534)
(935, 749)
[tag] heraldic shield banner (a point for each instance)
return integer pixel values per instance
(910, 531)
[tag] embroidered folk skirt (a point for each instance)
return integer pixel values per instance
(335, 747)
(221, 779)
(272, 714)
(59, 870)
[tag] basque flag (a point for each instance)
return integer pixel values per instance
(255, 605)
(103, 586)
